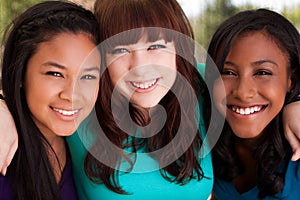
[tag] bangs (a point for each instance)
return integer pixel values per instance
(139, 14)
(151, 34)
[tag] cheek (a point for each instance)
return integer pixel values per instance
(168, 60)
(276, 89)
(93, 95)
(117, 71)
(87, 90)
(219, 96)
(35, 90)
(167, 68)
(172, 63)
(37, 99)
(276, 94)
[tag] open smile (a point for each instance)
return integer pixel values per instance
(246, 110)
(144, 84)
(65, 112)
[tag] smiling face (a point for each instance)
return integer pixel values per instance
(144, 72)
(61, 83)
(256, 80)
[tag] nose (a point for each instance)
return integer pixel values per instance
(141, 62)
(245, 89)
(139, 57)
(68, 92)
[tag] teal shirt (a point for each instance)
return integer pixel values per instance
(140, 186)
(150, 185)
(291, 190)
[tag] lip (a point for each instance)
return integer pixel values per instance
(65, 113)
(246, 110)
(144, 86)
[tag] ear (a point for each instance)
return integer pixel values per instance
(289, 85)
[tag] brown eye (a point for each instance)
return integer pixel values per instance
(228, 73)
(56, 74)
(263, 73)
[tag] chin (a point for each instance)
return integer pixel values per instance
(245, 134)
(65, 132)
(246, 131)
(148, 104)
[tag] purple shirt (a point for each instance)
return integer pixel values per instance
(66, 184)
(5, 187)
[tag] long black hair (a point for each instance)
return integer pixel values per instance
(31, 172)
(273, 148)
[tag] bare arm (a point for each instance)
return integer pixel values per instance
(291, 122)
(8, 137)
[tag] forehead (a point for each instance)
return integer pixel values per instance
(69, 50)
(255, 46)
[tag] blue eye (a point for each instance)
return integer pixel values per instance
(56, 74)
(156, 46)
(119, 51)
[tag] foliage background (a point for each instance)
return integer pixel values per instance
(204, 24)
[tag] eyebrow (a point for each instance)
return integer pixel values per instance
(255, 63)
(92, 69)
(54, 64)
(260, 62)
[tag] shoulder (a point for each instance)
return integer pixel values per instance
(291, 182)
(292, 174)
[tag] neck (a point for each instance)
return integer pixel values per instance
(251, 143)
(248, 179)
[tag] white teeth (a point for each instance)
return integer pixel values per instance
(246, 111)
(144, 85)
(65, 112)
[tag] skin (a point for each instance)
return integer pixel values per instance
(256, 79)
(60, 91)
(61, 88)
(144, 71)
(9, 143)
(291, 120)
